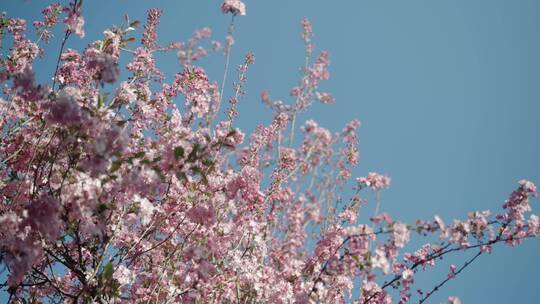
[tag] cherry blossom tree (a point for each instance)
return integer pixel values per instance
(148, 193)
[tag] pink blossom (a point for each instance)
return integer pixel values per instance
(371, 290)
(375, 181)
(236, 7)
(205, 269)
(106, 67)
(518, 202)
(50, 19)
(407, 274)
(307, 32)
(379, 260)
(202, 215)
(382, 217)
(44, 216)
(125, 94)
(452, 271)
(149, 35)
(200, 93)
(23, 256)
(146, 209)
(529, 187)
(453, 300)
(113, 39)
(23, 54)
(459, 233)
(534, 225)
(440, 223)
(65, 109)
(349, 216)
(325, 97)
(400, 234)
(247, 184)
(124, 275)
(74, 21)
(143, 65)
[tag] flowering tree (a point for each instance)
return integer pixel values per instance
(147, 192)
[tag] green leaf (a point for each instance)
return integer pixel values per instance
(196, 170)
(101, 101)
(204, 179)
(208, 162)
(116, 165)
(193, 154)
(102, 207)
(108, 271)
(178, 152)
(157, 169)
(181, 176)
(135, 24)
(139, 154)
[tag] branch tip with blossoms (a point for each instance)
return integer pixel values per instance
(235, 7)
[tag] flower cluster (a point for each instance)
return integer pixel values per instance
(142, 190)
(199, 92)
(374, 180)
(150, 34)
(74, 20)
(236, 7)
(50, 19)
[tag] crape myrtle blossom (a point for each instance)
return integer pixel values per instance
(143, 189)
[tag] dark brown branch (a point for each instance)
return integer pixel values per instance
(449, 278)
(443, 251)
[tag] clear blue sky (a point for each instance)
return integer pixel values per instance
(448, 92)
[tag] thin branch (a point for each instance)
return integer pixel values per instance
(64, 40)
(449, 278)
(227, 60)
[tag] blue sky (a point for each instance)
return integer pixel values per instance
(447, 93)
